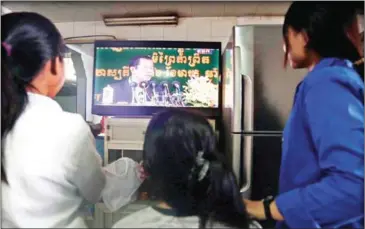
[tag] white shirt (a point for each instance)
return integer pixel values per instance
(150, 218)
(52, 168)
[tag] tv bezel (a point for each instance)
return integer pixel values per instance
(145, 111)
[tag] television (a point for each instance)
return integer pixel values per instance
(140, 78)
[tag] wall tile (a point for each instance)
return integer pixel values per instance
(222, 27)
(198, 27)
(152, 38)
(151, 31)
(121, 32)
(260, 20)
(178, 31)
(192, 29)
(66, 29)
(174, 38)
(84, 28)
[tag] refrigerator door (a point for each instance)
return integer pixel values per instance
(257, 99)
(243, 82)
(262, 89)
(236, 82)
(243, 97)
(274, 86)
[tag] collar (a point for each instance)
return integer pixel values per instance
(37, 99)
(328, 62)
(330, 65)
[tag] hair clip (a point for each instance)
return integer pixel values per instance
(199, 158)
(7, 48)
(200, 161)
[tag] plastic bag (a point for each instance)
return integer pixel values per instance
(122, 183)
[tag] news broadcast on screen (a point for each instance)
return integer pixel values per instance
(156, 76)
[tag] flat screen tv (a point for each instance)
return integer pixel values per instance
(140, 78)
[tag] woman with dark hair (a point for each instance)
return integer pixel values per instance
(196, 186)
(50, 166)
(322, 167)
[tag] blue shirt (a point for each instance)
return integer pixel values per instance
(322, 168)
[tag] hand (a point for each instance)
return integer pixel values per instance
(255, 209)
(142, 174)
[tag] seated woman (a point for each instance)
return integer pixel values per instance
(197, 188)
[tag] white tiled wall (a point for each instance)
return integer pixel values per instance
(188, 29)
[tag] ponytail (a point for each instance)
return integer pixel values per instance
(29, 40)
(13, 100)
(222, 202)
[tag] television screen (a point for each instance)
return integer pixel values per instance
(140, 77)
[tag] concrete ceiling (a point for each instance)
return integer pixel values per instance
(92, 11)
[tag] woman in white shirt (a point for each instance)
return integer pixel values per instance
(50, 166)
(197, 188)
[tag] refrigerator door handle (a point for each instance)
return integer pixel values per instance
(237, 90)
(247, 103)
(236, 120)
(260, 133)
(247, 126)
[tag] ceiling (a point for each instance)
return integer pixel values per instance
(64, 11)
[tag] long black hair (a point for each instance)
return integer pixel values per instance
(326, 24)
(28, 41)
(180, 155)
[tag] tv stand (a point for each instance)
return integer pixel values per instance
(124, 134)
(127, 134)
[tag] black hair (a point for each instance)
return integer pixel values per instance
(29, 40)
(172, 144)
(325, 23)
(136, 60)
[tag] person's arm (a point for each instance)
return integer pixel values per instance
(335, 120)
(87, 174)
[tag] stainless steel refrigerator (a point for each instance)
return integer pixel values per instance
(257, 96)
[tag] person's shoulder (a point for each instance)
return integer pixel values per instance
(64, 130)
(333, 80)
(43, 116)
(339, 75)
(75, 122)
(50, 141)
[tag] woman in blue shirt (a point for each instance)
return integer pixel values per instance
(322, 168)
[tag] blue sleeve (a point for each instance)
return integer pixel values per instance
(335, 121)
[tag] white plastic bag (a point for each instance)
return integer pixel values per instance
(122, 183)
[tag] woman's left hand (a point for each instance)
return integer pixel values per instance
(255, 209)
